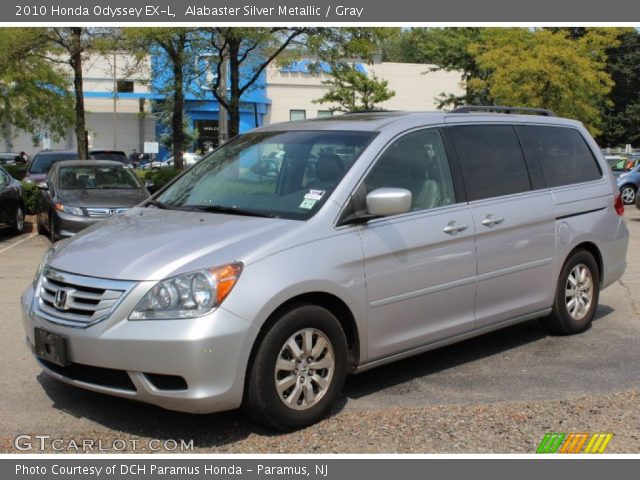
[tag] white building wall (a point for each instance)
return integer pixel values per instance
(132, 129)
(416, 88)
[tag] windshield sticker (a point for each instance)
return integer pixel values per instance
(314, 195)
(308, 203)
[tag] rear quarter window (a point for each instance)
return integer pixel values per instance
(564, 155)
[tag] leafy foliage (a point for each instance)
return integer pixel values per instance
(545, 69)
(354, 90)
(34, 92)
(159, 177)
(562, 69)
(621, 119)
(30, 195)
(16, 170)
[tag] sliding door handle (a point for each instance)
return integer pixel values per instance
(491, 221)
(454, 228)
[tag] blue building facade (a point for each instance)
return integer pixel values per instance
(202, 110)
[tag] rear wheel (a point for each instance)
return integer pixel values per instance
(577, 295)
(628, 194)
(18, 222)
(299, 369)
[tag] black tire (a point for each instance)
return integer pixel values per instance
(52, 230)
(263, 402)
(628, 193)
(17, 226)
(561, 321)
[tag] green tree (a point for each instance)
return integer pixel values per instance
(445, 49)
(34, 93)
(239, 56)
(68, 46)
(354, 90)
(621, 121)
(178, 48)
(545, 69)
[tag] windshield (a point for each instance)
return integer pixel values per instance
(287, 174)
(92, 177)
(42, 162)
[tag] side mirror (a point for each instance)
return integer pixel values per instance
(43, 185)
(383, 202)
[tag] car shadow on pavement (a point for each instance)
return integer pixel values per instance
(220, 429)
(148, 421)
(6, 236)
(445, 358)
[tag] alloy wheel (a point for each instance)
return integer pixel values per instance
(579, 291)
(304, 369)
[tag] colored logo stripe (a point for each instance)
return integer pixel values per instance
(550, 443)
(598, 442)
(574, 442)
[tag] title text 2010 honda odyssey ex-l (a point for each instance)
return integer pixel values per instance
(301, 252)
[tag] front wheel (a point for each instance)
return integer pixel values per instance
(577, 295)
(299, 369)
(628, 194)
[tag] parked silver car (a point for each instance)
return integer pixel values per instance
(302, 252)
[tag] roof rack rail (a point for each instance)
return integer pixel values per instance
(352, 112)
(502, 109)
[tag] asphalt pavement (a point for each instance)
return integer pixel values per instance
(519, 364)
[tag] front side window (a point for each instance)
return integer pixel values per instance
(286, 174)
(492, 161)
(564, 156)
(416, 162)
(96, 177)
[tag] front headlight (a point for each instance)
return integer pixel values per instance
(43, 263)
(188, 295)
(623, 176)
(71, 210)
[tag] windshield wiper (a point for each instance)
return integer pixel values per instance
(157, 204)
(231, 210)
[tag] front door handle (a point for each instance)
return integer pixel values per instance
(454, 228)
(491, 221)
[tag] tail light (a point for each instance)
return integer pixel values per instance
(618, 204)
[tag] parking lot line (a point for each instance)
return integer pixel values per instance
(31, 235)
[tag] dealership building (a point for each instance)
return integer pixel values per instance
(121, 97)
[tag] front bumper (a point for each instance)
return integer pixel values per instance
(210, 353)
(67, 225)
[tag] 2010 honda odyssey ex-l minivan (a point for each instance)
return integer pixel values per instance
(301, 252)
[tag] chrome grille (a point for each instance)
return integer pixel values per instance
(105, 212)
(76, 300)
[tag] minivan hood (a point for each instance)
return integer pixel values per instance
(152, 244)
(97, 197)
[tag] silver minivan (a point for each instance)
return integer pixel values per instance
(302, 252)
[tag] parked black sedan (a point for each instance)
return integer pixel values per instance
(11, 203)
(79, 193)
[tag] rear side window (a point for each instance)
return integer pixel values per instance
(564, 156)
(492, 161)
